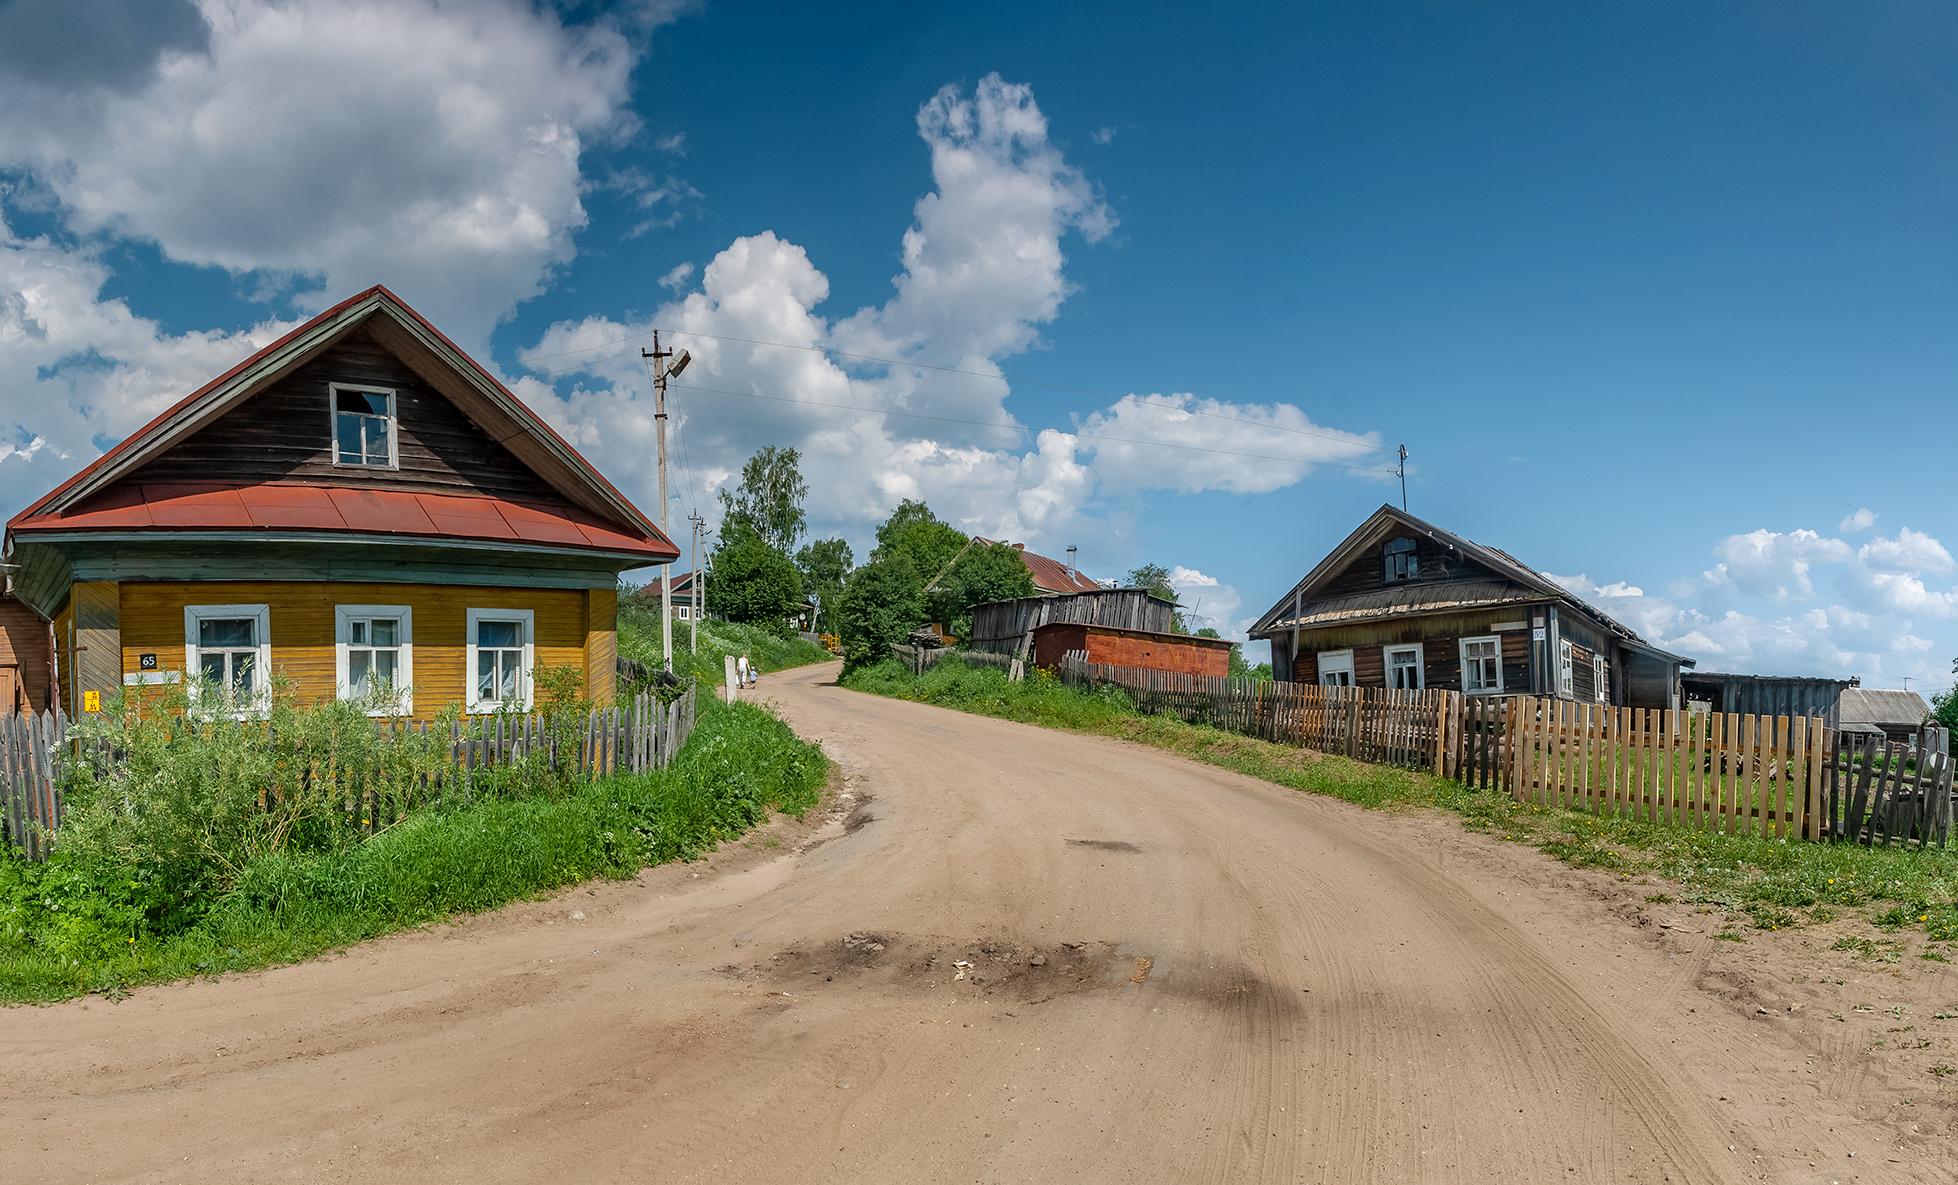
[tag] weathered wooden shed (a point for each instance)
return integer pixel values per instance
(1766, 695)
(999, 626)
(1402, 603)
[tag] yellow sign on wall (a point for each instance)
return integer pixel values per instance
(91, 701)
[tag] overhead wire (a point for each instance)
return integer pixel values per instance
(1023, 428)
(1008, 379)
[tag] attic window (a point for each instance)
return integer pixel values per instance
(1401, 562)
(363, 427)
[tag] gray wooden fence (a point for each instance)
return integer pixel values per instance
(641, 735)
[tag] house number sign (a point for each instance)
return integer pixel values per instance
(1536, 635)
(146, 662)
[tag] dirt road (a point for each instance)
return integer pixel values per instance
(1028, 956)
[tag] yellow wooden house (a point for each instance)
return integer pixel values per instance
(359, 506)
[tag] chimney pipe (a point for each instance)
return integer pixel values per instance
(1070, 563)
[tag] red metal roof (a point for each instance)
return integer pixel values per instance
(232, 516)
(172, 506)
(1050, 575)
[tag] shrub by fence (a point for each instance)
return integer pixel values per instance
(38, 753)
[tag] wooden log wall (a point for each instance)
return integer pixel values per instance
(999, 626)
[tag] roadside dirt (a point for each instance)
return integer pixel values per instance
(1013, 955)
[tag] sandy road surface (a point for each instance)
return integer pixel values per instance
(1240, 983)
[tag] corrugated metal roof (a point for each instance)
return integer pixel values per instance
(1870, 706)
(1411, 599)
(172, 506)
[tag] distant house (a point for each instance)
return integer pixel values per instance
(648, 594)
(1402, 603)
(359, 506)
(1051, 578)
(1898, 715)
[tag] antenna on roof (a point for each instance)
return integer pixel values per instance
(1402, 471)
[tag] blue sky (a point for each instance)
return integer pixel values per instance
(1658, 296)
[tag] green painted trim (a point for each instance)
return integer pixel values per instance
(252, 558)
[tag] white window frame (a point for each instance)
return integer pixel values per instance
(404, 678)
(1600, 679)
(1463, 646)
(1420, 664)
(261, 616)
(333, 425)
(528, 665)
(1566, 669)
(1341, 660)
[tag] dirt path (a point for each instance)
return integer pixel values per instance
(1027, 956)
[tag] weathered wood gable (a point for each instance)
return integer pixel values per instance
(1436, 563)
(283, 434)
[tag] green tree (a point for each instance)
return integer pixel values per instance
(825, 567)
(982, 573)
(768, 502)
(918, 535)
(753, 583)
(1239, 669)
(1944, 706)
(882, 605)
(1155, 579)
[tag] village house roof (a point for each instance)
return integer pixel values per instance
(592, 516)
(1519, 584)
(1050, 576)
(1868, 709)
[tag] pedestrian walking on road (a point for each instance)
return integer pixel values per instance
(744, 672)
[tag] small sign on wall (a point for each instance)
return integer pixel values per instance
(146, 662)
(1536, 635)
(91, 701)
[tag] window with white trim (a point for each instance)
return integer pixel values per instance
(1336, 668)
(228, 648)
(1482, 665)
(1404, 668)
(364, 427)
(1566, 675)
(1601, 678)
(501, 654)
(374, 656)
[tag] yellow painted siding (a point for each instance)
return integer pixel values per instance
(602, 644)
(302, 628)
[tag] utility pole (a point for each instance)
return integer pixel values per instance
(661, 372)
(1402, 471)
(694, 594)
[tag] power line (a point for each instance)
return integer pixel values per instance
(1004, 378)
(1022, 428)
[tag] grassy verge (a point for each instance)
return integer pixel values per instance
(639, 640)
(740, 763)
(1749, 882)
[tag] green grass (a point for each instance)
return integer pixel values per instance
(639, 640)
(1759, 883)
(740, 763)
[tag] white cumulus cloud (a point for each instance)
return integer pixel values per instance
(984, 267)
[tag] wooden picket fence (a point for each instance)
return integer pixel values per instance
(1365, 723)
(1775, 776)
(641, 735)
(1771, 776)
